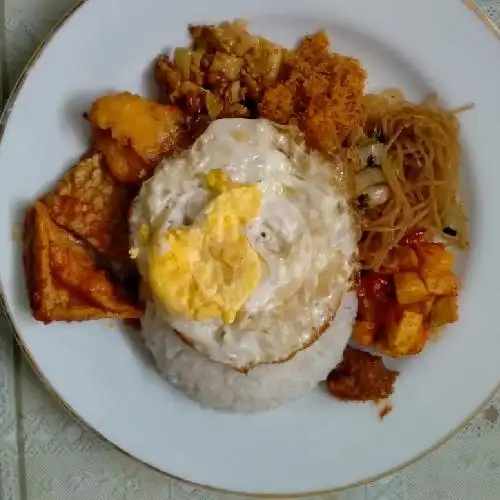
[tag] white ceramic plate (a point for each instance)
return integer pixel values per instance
(105, 376)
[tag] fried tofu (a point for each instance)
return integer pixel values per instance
(134, 134)
(90, 203)
(63, 281)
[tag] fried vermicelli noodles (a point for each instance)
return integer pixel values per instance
(420, 157)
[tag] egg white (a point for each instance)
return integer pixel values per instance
(304, 235)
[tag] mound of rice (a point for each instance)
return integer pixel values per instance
(220, 387)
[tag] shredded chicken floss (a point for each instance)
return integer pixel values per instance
(321, 92)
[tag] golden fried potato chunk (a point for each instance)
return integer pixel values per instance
(64, 283)
(134, 134)
(89, 202)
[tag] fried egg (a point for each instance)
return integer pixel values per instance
(245, 243)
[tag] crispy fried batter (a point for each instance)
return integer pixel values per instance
(320, 91)
(90, 203)
(125, 164)
(361, 377)
(63, 281)
(134, 134)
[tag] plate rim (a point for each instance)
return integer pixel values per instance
(30, 358)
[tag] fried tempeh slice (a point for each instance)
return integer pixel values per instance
(134, 134)
(63, 281)
(89, 202)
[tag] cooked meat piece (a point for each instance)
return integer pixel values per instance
(361, 377)
(64, 283)
(138, 133)
(89, 202)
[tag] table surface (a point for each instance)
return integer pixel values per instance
(46, 455)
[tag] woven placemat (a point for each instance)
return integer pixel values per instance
(488, 11)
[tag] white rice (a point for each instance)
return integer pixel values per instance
(220, 387)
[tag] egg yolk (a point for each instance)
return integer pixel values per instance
(210, 269)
